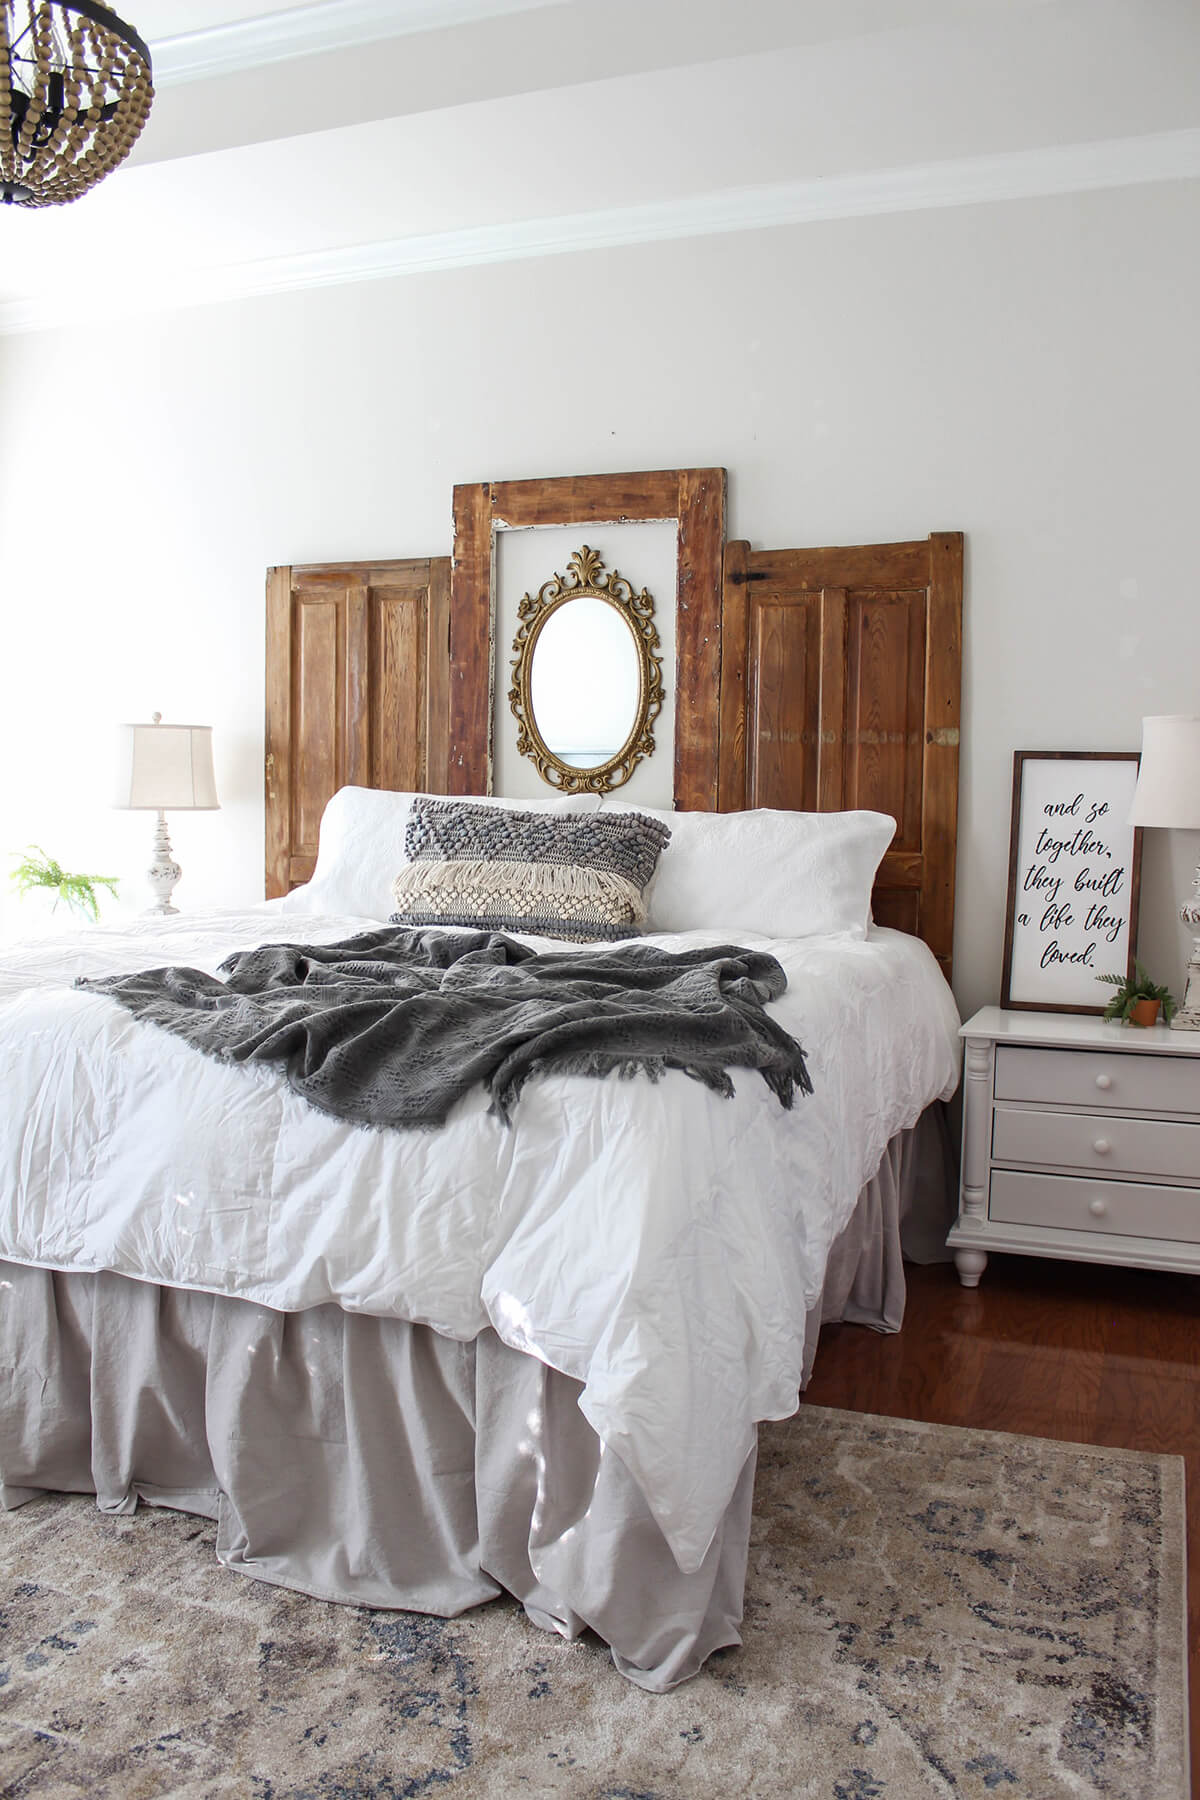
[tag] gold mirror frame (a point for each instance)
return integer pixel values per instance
(587, 578)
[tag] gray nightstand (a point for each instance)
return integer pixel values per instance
(1080, 1140)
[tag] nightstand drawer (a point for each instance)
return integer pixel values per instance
(1124, 1079)
(1073, 1203)
(1105, 1146)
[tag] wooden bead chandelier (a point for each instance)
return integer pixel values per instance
(75, 91)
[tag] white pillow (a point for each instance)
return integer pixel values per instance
(784, 874)
(361, 849)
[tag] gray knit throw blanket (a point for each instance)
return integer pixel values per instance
(393, 1026)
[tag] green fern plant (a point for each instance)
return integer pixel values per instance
(37, 870)
(1132, 989)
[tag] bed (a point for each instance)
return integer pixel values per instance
(415, 1368)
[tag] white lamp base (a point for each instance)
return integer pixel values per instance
(1188, 1016)
(164, 871)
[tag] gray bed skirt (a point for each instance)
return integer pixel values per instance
(371, 1462)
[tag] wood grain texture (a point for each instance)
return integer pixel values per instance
(883, 718)
(589, 499)
(701, 538)
(695, 499)
(845, 565)
(784, 695)
(469, 746)
(943, 717)
(731, 723)
(1077, 1353)
(277, 794)
(437, 687)
(319, 721)
(355, 701)
(398, 640)
(845, 693)
(831, 622)
(357, 655)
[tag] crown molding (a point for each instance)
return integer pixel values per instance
(1012, 175)
(308, 30)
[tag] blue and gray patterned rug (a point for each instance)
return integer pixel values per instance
(930, 1612)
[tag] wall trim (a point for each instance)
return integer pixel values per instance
(1010, 175)
(308, 30)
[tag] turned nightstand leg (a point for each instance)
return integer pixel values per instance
(970, 1265)
(977, 1131)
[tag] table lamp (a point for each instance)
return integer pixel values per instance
(161, 768)
(1168, 794)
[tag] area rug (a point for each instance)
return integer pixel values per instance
(929, 1612)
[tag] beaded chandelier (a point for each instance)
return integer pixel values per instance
(75, 91)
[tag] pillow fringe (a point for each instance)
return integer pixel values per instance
(549, 883)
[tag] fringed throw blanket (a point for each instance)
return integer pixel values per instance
(393, 1026)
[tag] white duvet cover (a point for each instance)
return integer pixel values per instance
(656, 1241)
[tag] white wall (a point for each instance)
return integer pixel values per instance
(1028, 373)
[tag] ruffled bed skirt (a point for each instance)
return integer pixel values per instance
(373, 1462)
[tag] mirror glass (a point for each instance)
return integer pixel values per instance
(584, 686)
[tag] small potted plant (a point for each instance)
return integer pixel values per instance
(36, 870)
(1138, 999)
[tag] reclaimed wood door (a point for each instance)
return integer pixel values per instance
(840, 689)
(357, 690)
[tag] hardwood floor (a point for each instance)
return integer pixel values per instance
(1076, 1352)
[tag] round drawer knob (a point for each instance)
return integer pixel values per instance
(1104, 1081)
(1097, 1208)
(1102, 1146)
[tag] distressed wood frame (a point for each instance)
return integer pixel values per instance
(695, 500)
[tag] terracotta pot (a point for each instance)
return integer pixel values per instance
(1145, 1012)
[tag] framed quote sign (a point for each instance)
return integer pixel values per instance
(1074, 869)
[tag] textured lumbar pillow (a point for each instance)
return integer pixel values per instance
(578, 876)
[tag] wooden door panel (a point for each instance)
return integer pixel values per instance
(897, 908)
(318, 658)
(882, 722)
(401, 633)
(840, 674)
(785, 665)
(357, 663)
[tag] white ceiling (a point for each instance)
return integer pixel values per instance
(511, 127)
(159, 19)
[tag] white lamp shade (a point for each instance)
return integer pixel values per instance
(1168, 789)
(166, 766)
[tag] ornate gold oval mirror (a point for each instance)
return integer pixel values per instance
(587, 677)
